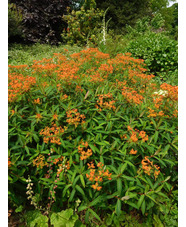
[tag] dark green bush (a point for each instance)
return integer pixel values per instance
(14, 22)
(144, 25)
(159, 52)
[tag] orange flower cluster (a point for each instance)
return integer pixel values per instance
(97, 176)
(52, 134)
(122, 62)
(105, 70)
(158, 102)
(135, 135)
(149, 168)
(56, 160)
(45, 65)
(133, 151)
(91, 53)
(18, 84)
(153, 113)
(96, 78)
(63, 97)
(67, 70)
(131, 95)
(39, 162)
(47, 68)
(38, 116)
(55, 117)
(84, 154)
(105, 104)
(37, 101)
(62, 163)
(172, 91)
(135, 76)
(120, 84)
(74, 117)
(165, 102)
(17, 66)
(13, 112)
(79, 89)
(44, 84)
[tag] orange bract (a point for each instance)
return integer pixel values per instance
(37, 101)
(133, 151)
(9, 163)
(19, 84)
(39, 162)
(74, 117)
(104, 102)
(136, 135)
(97, 176)
(131, 95)
(149, 168)
(52, 134)
(84, 153)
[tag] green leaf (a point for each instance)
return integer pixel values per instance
(112, 196)
(165, 151)
(82, 180)
(114, 169)
(87, 216)
(157, 222)
(73, 176)
(94, 214)
(128, 178)
(75, 181)
(72, 195)
(123, 167)
(119, 186)
(65, 189)
(79, 189)
(35, 218)
(19, 209)
(118, 207)
(132, 204)
(155, 137)
(95, 201)
(82, 208)
(152, 198)
(64, 218)
(143, 207)
(94, 148)
(140, 201)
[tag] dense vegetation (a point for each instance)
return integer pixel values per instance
(93, 130)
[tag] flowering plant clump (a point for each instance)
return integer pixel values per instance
(91, 128)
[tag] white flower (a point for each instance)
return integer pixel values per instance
(161, 92)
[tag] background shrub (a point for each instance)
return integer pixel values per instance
(83, 26)
(14, 23)
(42, 20)
(159, 52)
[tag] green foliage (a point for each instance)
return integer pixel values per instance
(145, 25)
(123, 12)
(14, 21)
(35, 218)
(25, 54)
(64, 218)
(159, 52)
(83, 26)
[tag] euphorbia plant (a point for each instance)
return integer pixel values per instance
(91, 128)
